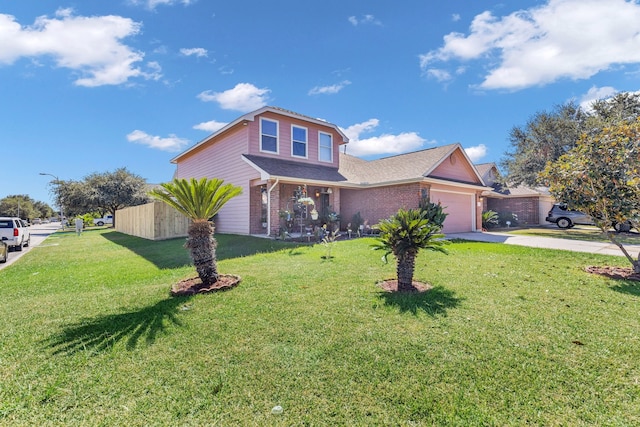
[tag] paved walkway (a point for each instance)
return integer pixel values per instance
(548, 242)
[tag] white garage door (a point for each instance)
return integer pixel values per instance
(460, 209)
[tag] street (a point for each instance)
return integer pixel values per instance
(38, 234)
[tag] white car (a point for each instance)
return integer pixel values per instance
(14, 232)
(108, 219)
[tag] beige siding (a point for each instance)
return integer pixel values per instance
(284, 139)
(224, 160)
(455, 167)
(153, 221)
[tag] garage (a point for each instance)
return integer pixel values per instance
(460, 208)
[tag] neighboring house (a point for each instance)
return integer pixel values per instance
(530, 205)
(278, 157)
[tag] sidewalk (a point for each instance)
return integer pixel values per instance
(603, 248)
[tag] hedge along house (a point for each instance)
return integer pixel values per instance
(284, 161)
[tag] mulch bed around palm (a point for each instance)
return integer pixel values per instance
(193, 285)
(618, 273)
(391, 285)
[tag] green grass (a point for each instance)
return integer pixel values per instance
(507, 336)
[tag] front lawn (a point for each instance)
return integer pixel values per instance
(508, 335)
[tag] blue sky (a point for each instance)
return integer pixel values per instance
(91, 86)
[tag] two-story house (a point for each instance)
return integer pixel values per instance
(280, 158)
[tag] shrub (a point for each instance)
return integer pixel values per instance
(490, 219)
(503, 217)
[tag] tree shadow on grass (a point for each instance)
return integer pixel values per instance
(102, 333)
(434, 302)
(631, 287)
(171, 253)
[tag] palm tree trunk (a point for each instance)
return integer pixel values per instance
(405, 265)
(202, 247)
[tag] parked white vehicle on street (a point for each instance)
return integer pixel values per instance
(108, 219)
(14, 232)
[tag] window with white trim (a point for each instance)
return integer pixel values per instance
(268, 135)
(298, 141)
(325, 147)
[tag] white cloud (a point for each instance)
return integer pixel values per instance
(90, 46)
(171, 144)
(365, 19)
(595, 94)
(243, 97)
(573, 39)
(329, 90)
(226, 70)
(197, 51)
(455, 17)
(476, 153)
(383, 144)
(439, 74)
(210, 126)
(152, 4)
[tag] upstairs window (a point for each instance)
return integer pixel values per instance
(325, 147)
(268, 135)
(298, 141)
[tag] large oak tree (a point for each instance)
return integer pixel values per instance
(550, 134)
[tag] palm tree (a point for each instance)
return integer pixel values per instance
(199, 200)
(405, 233)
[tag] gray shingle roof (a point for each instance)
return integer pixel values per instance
(295, 169)
(353, 170)
(395, 168)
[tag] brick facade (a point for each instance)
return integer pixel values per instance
(379, 203)
(526, 208)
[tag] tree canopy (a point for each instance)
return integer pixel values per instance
(110, 191)
(100, 192)
(601, 177)
(25, 207)
(550, 134)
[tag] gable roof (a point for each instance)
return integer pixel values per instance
(414, 165)
(502, 191)
(252, 116)
(485, 168)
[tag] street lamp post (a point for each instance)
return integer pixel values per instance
(57, 181)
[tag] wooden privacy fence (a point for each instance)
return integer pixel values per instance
(153, 221)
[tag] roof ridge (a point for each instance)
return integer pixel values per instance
(415, 152)
(295, 113)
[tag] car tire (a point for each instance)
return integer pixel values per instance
(564, 223)
(18, 248)
(622, 227)
(100, 223)
(28, 242)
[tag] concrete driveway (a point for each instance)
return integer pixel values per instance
(604, 248)
(38, 234)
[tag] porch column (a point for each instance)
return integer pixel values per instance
(274, 207)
